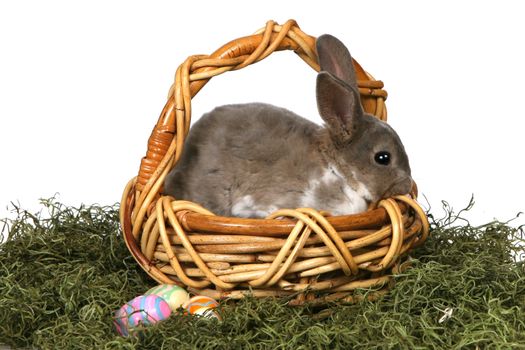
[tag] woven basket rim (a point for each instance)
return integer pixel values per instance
(373, 217)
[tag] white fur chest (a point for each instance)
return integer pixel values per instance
(246, 207)
(331, 192)
(347, 199)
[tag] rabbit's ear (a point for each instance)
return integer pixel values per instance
(335, 58)
(339, 106)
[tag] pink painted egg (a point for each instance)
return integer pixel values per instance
(140, 312)
(174, 295)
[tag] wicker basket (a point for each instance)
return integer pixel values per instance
(311, 254)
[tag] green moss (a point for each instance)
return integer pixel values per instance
(63, 276)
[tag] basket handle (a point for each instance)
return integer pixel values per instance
(167, 138)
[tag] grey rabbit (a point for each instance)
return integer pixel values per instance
(249, 160)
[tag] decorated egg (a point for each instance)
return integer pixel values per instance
(142, 311)
(206, 312)
(174, 295)
(202, 306)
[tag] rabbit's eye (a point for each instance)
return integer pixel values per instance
(382, 158)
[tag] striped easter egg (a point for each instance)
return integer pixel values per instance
(121, 322)
(199, 304)
(206, 312)
(142, 311)
(174, 295)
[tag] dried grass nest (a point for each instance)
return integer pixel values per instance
(305, 252)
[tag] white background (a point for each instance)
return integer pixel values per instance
(82, 84)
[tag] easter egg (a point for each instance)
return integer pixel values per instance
(202, 306)
(206, 312)
(142, 311)
(174, 295)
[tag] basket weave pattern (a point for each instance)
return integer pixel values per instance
(300, 251)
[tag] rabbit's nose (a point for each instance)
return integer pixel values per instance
(402, 186)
